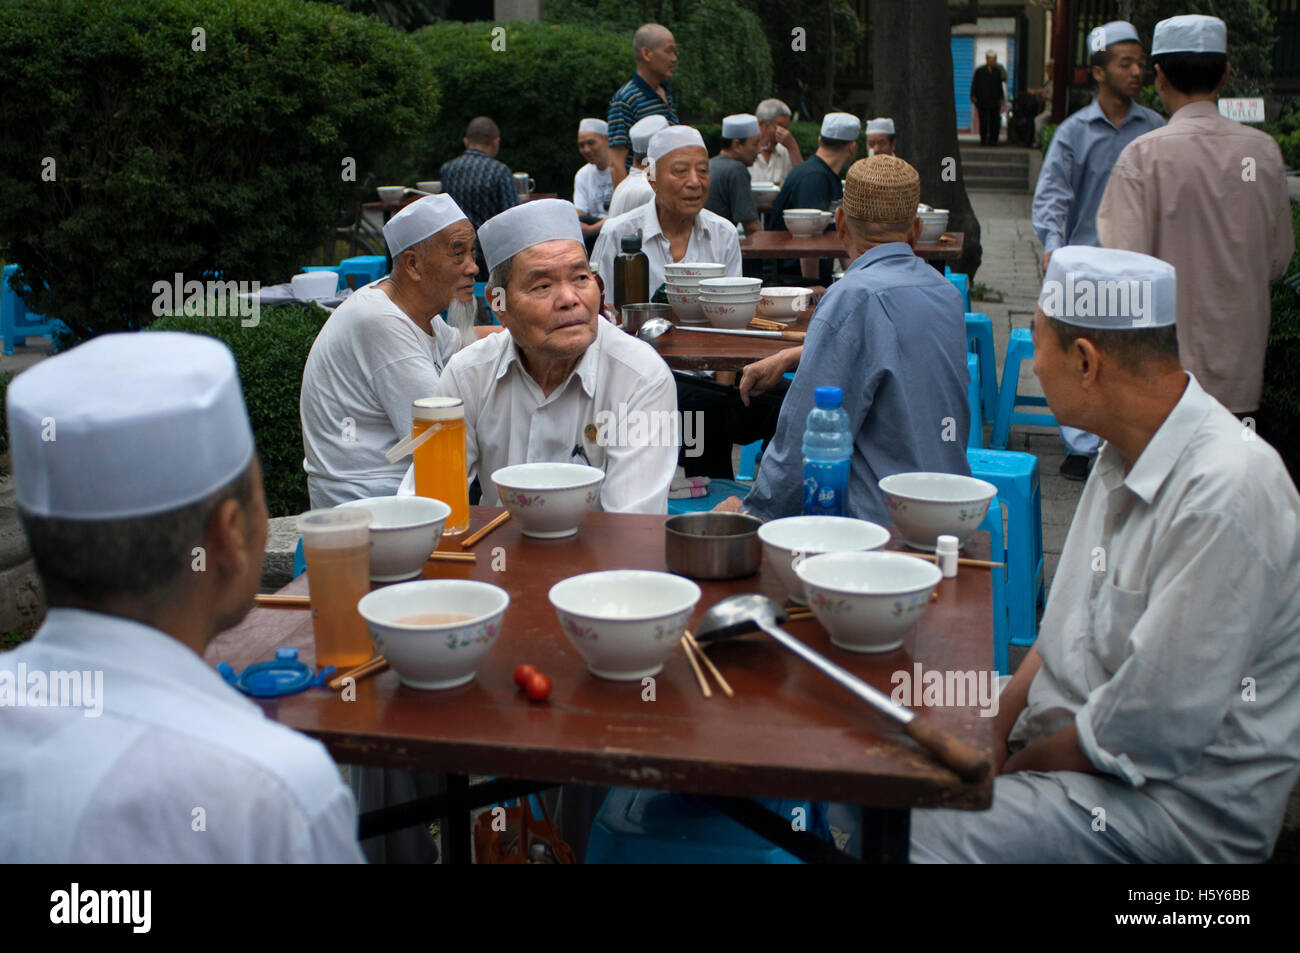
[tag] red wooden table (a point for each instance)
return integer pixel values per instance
(702, 351)
(789, 732)
(781, 244)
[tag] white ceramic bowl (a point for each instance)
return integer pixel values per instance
(404, 530)
(731, 284)
(686, 307)
(625, 622)
(925, 506)
(788, 541)
(933, 224)
(548, 499)
(434, 187)
(732, 316)
(391, 194)
(434, 655)
(694, 269)
(764, 194)
(315, 284)
(804, 222)
(783, 304)
(682, 287)
(868, 601)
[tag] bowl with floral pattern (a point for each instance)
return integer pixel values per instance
(925, 506)
(548, 499)
(435, 632)
(790, 540)
(625, 622)
(868, 601)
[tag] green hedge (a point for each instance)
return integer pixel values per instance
(1280, 403)
(271, 358)
(228, 159)
(805, 133)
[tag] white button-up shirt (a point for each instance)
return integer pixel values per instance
(1172, 641)
(617, 411)
(713, 238)
(633, 192)
(177, 766)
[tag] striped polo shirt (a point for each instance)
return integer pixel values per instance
(635, 100)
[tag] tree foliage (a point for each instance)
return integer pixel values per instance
(1250, 36)
(193, 136)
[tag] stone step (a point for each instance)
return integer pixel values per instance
(992, 158)
(996, 184)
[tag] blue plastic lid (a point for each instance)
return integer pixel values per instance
(284, 675)
(828, 398)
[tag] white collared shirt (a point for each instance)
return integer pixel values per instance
(619, 406)
(177, 767)
(772, 170)
(713, 238)
(633, 192)
(1171, 641)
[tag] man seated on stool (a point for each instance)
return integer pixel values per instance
(383, 348)
(147, 524)
(562, 384)
(892, 335)
(1163, 693)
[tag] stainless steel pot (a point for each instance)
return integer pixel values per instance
(713, 545)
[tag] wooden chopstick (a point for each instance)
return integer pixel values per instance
(371, 667)
(282, 602)
(442, 557)
(713, 670)
(699, 676)
(467, 543)
(961, 560)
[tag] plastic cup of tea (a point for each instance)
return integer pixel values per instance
(336, 544)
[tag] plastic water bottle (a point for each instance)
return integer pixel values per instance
(827, 447)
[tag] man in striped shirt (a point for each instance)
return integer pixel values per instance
(645, 94)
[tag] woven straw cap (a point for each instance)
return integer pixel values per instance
(882, 189)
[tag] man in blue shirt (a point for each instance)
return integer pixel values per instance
(476, 181)
(645, 94)
(892, 335)
(1077, 168)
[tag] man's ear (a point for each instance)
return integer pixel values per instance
(1087, 358)
(225, 540)
(1098, 75)
(914, 233)
(1227, 71)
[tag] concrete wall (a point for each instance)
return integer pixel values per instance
(506, 10)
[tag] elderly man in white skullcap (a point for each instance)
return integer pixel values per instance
(140, 493)
(593, 186)
(562, 385)
(880, 136)
(1163, 693)
(730, 193)
(383, 348)
(675, 226)
(635, 189)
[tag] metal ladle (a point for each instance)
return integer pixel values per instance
(738, 615)
(657, 327)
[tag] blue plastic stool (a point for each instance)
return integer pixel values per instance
(16, 322)
(979, 341)
(333, 268)
(366, 268)
(1020, 347)
(750, 454)
(1016, 477)
(719, 490)
(1001, 614)
(637, 826)
(976, 439)
(299, 560)
(961, 283)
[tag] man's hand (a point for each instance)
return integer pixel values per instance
(764, 375)
(731, 504)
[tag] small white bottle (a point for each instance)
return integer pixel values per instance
(946, 551)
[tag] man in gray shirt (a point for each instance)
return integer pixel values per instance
(730, 194)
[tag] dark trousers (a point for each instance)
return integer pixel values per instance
(726, 421)
(990, 124)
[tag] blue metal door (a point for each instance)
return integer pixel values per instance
(963, 68)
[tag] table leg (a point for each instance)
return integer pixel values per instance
(455, 824)
(886, 834)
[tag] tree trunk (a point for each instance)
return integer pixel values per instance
(912, 76)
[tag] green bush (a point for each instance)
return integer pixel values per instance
(1045, 137)
(805, 133)
(228, 159)
(271, 358)
(1280, 403)
(1289, 143)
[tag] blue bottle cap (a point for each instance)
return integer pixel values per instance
(828, 397)
(284, 675)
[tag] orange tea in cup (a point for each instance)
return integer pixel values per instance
(336, 545)
(440, 471)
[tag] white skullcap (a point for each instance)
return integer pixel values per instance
(1116, 31)
(505, 235)
(643, 129)
(1190, 33)
(127, 425)
(739, 126)
(1108, 289)
(883, 124)
(673, 137)
(843, 126)
(419, 220)
(598, 126)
